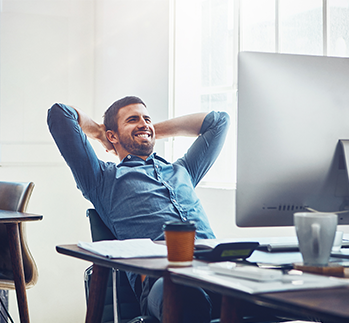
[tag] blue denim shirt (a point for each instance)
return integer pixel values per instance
(135, 197)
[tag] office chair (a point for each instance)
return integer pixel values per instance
(15, 196)
(124, 303)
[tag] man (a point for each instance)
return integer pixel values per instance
(135, 197)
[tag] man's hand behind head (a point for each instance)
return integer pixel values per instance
(105, 142)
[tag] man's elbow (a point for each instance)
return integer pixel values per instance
(59, 111)
(225, 116)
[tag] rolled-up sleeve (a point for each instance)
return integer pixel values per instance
(74, 146)
(206, 148)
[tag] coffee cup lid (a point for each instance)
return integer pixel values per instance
(179, 226)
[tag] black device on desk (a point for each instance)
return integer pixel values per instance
(227, 251)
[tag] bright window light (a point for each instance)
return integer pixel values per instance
(208, 34)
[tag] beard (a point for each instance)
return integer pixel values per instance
(135, 148)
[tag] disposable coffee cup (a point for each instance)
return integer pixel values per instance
(180, 238)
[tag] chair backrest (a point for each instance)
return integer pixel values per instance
(99, 231)
(127, 303)
(15, 196)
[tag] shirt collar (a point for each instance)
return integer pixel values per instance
(149, 160)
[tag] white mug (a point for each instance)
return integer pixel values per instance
(315, 233)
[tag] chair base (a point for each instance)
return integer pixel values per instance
(4, 302)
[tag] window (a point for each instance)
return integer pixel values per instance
(207, 36)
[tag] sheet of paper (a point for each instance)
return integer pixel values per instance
(131, 248)
(288, 282)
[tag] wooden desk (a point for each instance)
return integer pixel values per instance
(328, 304)
(155, 267)
(331, 305)
(12, 219)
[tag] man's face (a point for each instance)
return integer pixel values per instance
(136, 132)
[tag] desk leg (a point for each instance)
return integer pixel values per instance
(18, 270)
(98, 287)
(230, 310)
(172, 306)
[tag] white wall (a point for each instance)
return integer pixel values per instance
(131, 40)
(86, 53)
(47, 55)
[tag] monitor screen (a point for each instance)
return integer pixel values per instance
(293, 112)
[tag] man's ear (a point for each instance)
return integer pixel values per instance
(112, 136)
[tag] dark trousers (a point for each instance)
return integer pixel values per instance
(199, 306)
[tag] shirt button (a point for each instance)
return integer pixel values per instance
(128, 156)
(174, 201)
(185, 219)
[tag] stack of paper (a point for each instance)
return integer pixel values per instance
(130, 248)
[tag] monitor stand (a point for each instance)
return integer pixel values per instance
(345, 145)
(345, 164)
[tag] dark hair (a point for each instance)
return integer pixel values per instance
(110, 115)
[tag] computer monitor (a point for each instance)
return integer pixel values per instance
(293, 112)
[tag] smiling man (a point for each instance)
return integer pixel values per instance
(132, 130)
(137, 196)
